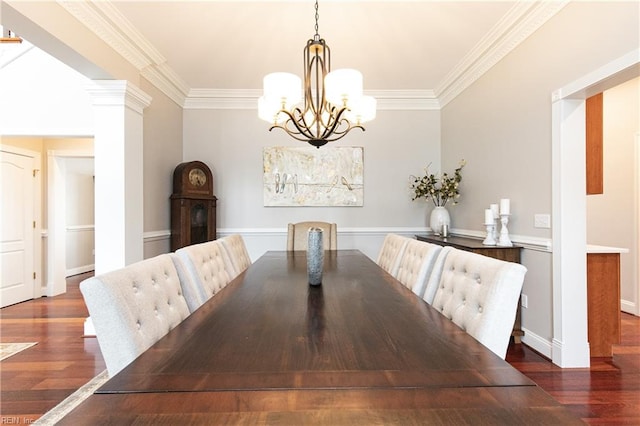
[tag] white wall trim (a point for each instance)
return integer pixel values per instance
(522, 20)
(628, 306)
(607, 76)
(104, 19)
(156, 235)
(570, 346)
(80, 270)
(248, 99)
(80, 228)
(527, 242)
(537, 342)
(360, 231)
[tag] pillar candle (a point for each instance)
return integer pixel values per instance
(504, 206)
(495, 210)
(488, 217)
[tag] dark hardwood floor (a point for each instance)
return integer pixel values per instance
(35, 380)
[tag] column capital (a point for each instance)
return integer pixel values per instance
(118, 92)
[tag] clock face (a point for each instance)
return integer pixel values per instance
(197, 177)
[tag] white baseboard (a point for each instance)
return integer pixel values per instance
(629, 307)
(80, 270)
(537, 343)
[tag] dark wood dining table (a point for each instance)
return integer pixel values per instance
(358, 349)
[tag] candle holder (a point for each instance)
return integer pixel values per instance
(496, 233)
(490, 240)
(504, 240)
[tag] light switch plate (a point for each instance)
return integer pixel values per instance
(542, 221)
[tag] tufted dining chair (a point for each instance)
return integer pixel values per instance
(237, 251)
(434, 277)
(480, 295)
(416, 264)
(209, 267)
(133, 307)
(297, 235)
(391, 252)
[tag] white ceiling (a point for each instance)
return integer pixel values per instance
(397, 45)
(429, 47)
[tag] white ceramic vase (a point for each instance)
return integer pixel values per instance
(439, 216)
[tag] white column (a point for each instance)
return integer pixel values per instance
(118, 114)
(570, 346)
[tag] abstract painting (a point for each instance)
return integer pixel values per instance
(308, 176)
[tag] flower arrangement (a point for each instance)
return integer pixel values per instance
(437, 189)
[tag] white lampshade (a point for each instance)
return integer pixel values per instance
(268, 110)
(342, 86)
(282, 87)
(362, 109)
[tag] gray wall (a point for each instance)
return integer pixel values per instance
(396, 144)
(502, 125)
(162, 152)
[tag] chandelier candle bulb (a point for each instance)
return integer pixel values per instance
(504, 206)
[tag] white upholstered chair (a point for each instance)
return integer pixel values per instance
(434, 277)
(391, 252)
(133, 307)
(480, 295)
(416, 264)
(297, 235)
(209, 267)
(237, 251)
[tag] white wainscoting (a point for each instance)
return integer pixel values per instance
(367, 240)
(80, 243)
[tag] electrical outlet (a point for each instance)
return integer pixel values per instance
(542, 221)
(524, 301)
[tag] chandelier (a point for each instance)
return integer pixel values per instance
(333, 102)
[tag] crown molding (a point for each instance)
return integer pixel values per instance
(248, 99)
(103, 19)
(522, 20)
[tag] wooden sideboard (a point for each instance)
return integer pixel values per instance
(509, 254)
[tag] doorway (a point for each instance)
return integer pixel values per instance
(570, 343)
(58, 215)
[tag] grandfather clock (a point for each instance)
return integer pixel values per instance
(193, 205)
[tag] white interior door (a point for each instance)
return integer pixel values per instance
(17, 238)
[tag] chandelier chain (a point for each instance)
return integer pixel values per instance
(317, 36)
